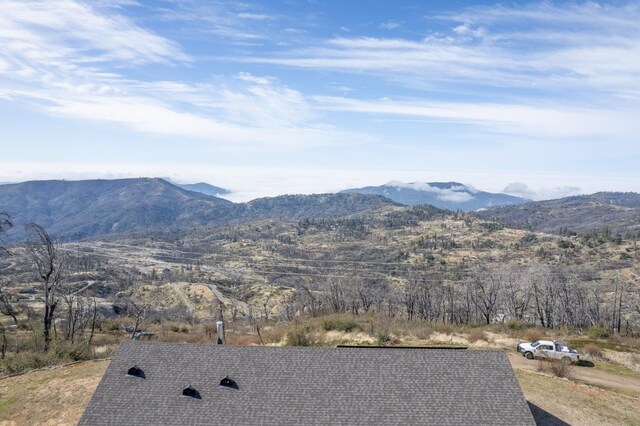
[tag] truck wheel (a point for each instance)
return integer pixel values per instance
(528, 355)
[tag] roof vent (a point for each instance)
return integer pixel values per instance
(219, 332)
(191, 392)
(226, 382)
(136, 371)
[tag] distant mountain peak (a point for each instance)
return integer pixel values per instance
(201, 187)
(431, 186)
(445, 195)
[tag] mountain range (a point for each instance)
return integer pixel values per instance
(90, 208)
(201, 187)
(618, 212)
(95, 208)
(445, 195)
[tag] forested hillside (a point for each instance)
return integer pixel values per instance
(608, 212)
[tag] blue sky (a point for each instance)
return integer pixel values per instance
(272, 97)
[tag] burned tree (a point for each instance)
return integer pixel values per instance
(6, 307)
(485, 288)
(51, 264)
(138, 312)
(516, 293)
(5, 224)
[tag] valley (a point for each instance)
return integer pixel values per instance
(324, 270)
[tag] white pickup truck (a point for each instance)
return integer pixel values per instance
(546, 349)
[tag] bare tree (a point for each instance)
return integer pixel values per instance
(335, 291)
(516, 293)
(544, 288)
(409, 296)
(5, 224)
(52, 265)
(485, 288)
(139, 313)
(265, 307)
(309, 299)
(6, 307)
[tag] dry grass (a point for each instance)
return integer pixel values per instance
(476, 334)
(578, 404)
(533, 334)
(49, 397)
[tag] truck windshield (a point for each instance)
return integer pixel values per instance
(534, 344)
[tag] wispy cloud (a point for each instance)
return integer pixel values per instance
(61, 57)
(235, 21)
(68, 33)
(255, 16)
(540, 87)
(549, 121)
(390, 25)
(536, 47)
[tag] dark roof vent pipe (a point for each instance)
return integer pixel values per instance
(220, 332)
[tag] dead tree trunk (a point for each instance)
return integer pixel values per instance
(51, 265)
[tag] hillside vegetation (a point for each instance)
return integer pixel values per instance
(318, 270)
(74, 210)
(445, 195)
(613, 212)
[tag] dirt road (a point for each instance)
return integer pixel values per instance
(628, 384)
(183, 297)
(216, 293)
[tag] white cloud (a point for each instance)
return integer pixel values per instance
(519, 189)
(66, 33)
(255, 16)
(523, 190)
(538, 46)
(557, 192)
(389, 25)
(456, 197)
(59, 55)
(228, 19)
(455, 194)
(557, 121)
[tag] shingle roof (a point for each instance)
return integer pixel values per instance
(295, 385)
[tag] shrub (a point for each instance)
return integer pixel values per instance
(594, 350)
(557, 368)
(383, 338)
(518, 325)
(475, 335)
(346, 325)
(616, 339)
(442, 327)
(533, 334)
(70, 351)
(423, 333)
(25, 361)
(598, 332)
(297, 336)
(109, 325)
(244, 339)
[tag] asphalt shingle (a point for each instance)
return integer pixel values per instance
(295, 385)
